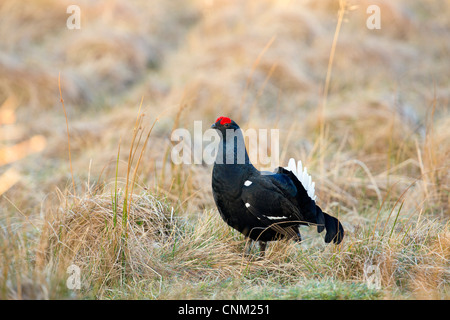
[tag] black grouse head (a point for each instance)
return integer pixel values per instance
(225, 125)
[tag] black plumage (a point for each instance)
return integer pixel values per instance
(264, 206)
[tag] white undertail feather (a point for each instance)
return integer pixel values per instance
(303, 176)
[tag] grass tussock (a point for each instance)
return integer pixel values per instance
(159, 253)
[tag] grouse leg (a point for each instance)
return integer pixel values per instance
(262, 248)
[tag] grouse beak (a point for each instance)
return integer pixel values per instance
(214, 126)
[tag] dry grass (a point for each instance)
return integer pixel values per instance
(139, 226)
(162, 254)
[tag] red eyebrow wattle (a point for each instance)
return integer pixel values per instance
(223, 120)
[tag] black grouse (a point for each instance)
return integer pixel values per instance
(264, 206)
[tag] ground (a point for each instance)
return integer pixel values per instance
(83, 184)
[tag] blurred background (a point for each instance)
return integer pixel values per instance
(380, 124)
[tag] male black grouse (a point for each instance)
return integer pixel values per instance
(264, 206)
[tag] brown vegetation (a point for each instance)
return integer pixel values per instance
(139, 226)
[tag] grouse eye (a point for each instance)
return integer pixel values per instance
(227, 124)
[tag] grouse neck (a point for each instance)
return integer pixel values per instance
(232, 151)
